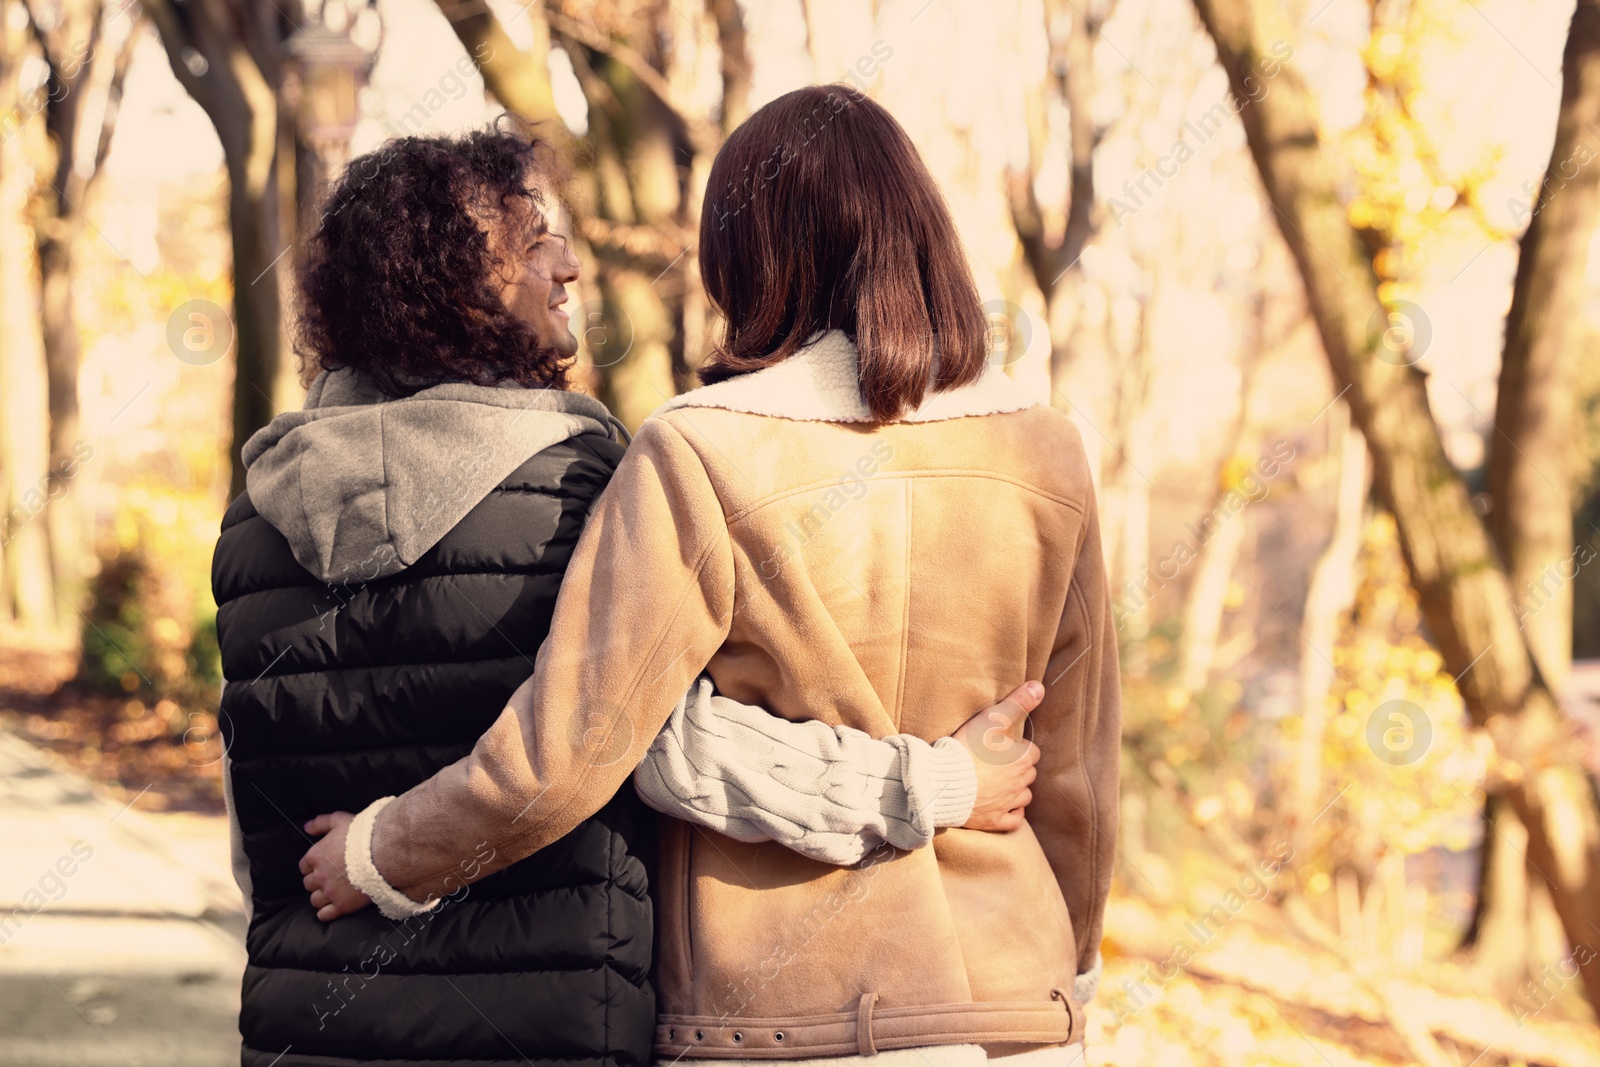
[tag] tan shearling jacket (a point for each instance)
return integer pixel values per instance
(889, 577)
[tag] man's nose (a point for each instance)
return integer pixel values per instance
(567, 267)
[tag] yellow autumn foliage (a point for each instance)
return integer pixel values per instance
(1425, 791)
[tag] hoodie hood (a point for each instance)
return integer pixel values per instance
(362, 484)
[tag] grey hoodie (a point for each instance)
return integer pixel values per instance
(362, 484)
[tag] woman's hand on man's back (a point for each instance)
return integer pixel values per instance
(1005, 760)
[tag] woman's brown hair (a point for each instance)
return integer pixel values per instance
(819, 214)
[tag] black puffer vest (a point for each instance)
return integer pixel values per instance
(338, 696)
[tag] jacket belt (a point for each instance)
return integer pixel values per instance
(870, 1029)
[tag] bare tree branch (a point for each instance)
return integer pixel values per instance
(1049, 259)
(700, 132)
(731, 44)
(519, 79)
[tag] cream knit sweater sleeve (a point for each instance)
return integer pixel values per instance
(832, 793)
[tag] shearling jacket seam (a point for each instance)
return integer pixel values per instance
(905, 614)
(831, 393)
(1075, 592)
(888, 476)
(698, 444)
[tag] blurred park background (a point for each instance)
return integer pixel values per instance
(1316, 279)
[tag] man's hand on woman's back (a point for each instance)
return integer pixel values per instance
(1005, 760)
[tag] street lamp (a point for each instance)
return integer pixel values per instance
(332, 69)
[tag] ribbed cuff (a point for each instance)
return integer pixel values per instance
(953, 783)
(363, 872)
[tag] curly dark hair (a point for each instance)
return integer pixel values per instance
(396, 279)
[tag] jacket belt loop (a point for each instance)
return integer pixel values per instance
(864, 1044)
(1075, 1019)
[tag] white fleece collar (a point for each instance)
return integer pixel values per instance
(819, 384)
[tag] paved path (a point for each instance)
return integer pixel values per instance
(121, 932)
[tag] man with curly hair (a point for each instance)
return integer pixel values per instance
(384, 585)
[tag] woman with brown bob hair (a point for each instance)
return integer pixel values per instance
(859, 521)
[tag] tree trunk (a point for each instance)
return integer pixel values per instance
(26, 596)
(1132, 443)
(57, 221)
(87, 58)
(1053, 260)
(636, 154)
(1530, 477)
(228, 80)
(519, 79)
(1050, 259)
(1222, 531)
(1333, 590)
(1531, 489)
(733, 49)
(1514, 929)
(253, 225)
(1464, 592)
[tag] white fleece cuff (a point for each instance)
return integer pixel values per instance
(1087, 984)
(363, 873)
(952, 786)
